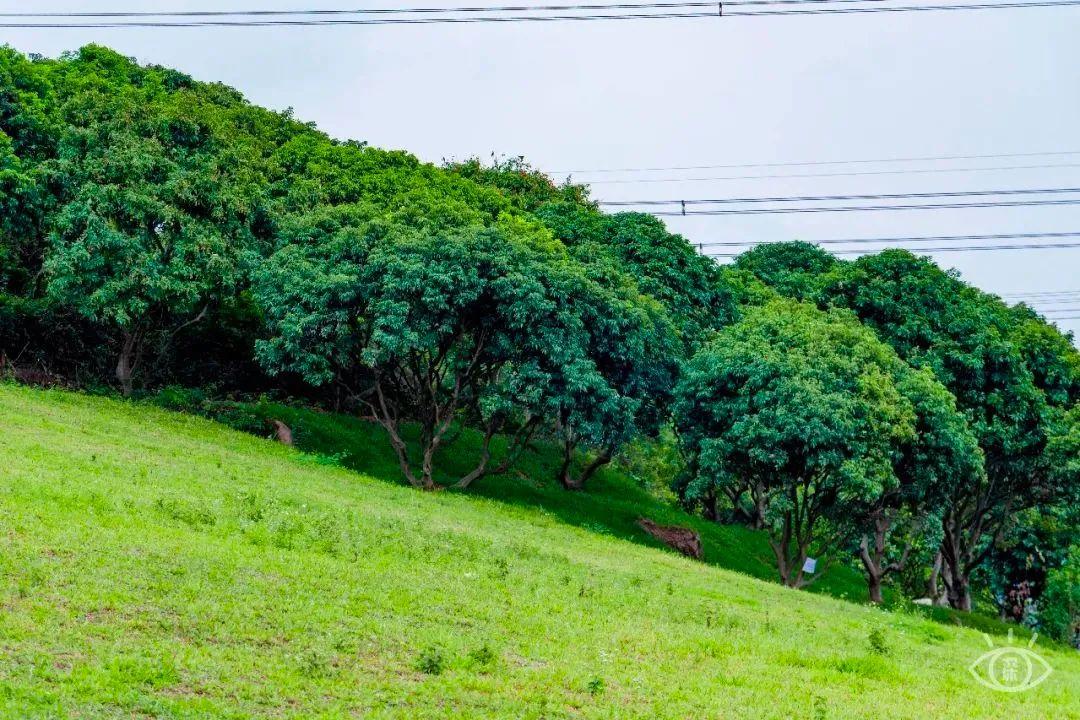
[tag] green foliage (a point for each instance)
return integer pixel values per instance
(496, 323)
(793, 269)
(691, 286)
(1059, 606)
(167, 232)
(1005, 390)
(527, 187)
(878, 644)
(142, 198)
(799, 412)
(634, 346)
(431, 661)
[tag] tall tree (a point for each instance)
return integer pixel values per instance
(149, 240)
(479, 322)
(794, 269)
(799, 411)
(691, 287)
(965, 337)
(635, 348)
(943, 454)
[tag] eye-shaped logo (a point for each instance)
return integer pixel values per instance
(1009, 668)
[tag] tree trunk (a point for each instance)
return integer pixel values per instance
(430, 445)
(933, 588)
(708, 506)
(566, 475)
(789, 568)
(873, 564)
(125, 365)
(514, 448)
(960, 594)
(954, 567)
(873, 584)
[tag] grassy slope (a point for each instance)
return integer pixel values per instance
(611, 504)
(157, 565)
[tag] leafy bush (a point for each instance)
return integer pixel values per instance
(432, 661)
(1059, 606)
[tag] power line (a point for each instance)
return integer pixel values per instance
(1045, 303)
(808, 163)
(910, 171)
(815, 198)
(871, 208)
(418, 10)
(906, 239)
(720, 12)
(1041, 293)
(964, 248)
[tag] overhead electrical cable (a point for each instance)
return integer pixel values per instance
(906, 239)
(815, 198)
(722, 9)
(1048, 303)
(1043, 293)
(855, 173)
(872, 208)
(962, 248)
(809, 163)
(119, 14)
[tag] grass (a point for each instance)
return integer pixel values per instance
(154, 564)
(611, 504)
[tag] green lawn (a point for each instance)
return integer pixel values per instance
(154, 564)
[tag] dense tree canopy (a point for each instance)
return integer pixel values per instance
(691, 286)
(497, 324)
(966, 338)
(799, 413)
(794, 269)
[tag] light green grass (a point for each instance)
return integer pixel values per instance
(157, 565)
(611, 504)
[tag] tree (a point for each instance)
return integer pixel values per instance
(1050, 356)
(634, 347)
(149, 240)
(933, 320)
(794, 269)
(1059, 607)
(22, 208)
(529, 188)
(799, 411)
(690, 286)
(429, 328)
(941, 455)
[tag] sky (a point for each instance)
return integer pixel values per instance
(687, 92)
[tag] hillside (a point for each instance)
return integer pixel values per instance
(611, 504)
(159, 565)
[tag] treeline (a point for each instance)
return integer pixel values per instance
(157, 230)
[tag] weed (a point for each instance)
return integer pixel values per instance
(191, 513)
(482, 657)
(431, 661)
(877, 641)
(313, 664)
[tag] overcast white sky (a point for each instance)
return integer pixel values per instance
(684, 92)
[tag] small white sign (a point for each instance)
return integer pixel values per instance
(810, 566)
